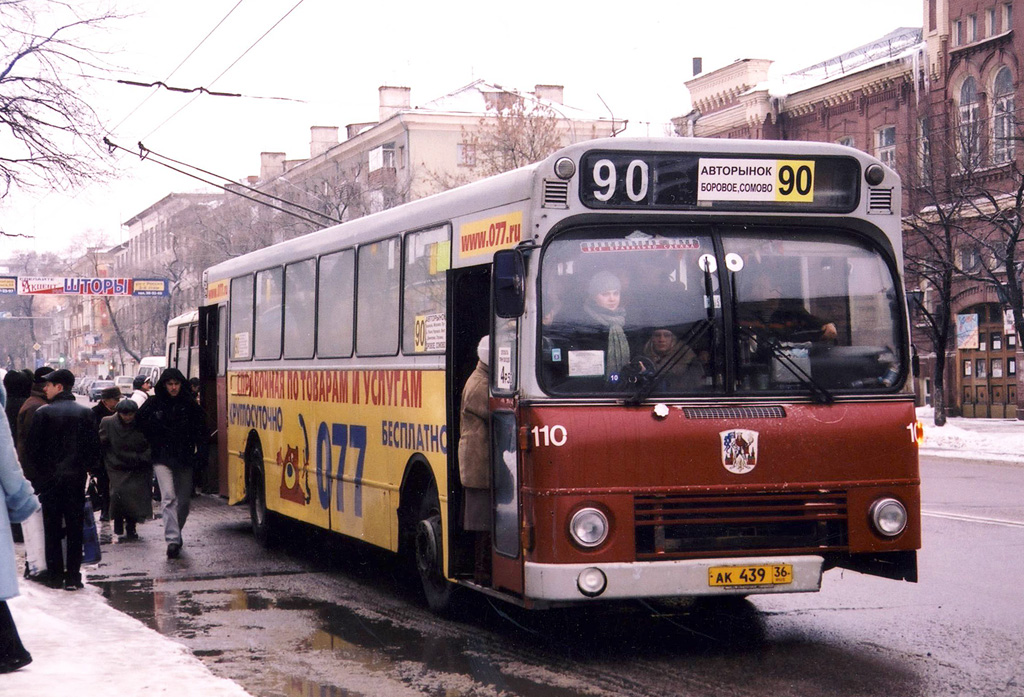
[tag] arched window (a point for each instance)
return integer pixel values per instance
(1002, 117)
(969, 126)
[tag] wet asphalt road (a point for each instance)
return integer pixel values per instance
(320, 616)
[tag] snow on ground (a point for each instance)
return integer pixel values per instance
(82, 647)
(997, 440)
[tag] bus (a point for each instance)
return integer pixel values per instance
(699, 375)
(182, 348)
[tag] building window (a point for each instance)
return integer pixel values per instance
(997, 341)
(958, 33)
(997, 367)
(847, 141)
(885, 145)
(382, 157)
(980, 368)
(466, 155)
(969, 142)
(925, 149)
(1011, 340)
(972, 28)
(1008, 16)
(1011, 366)
(990, 21)
(1003, 117)
(967, 368)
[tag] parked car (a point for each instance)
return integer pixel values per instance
(82, 385)
(124, 382)
(98, 386)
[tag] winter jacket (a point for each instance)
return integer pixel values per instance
(28, 410)
(19, 386)
(174, 426)
(126, 454)
(19, 502)
(475, 432)
(63, 444)
(139, 397)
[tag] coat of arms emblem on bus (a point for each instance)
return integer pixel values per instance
(291, 488)
(739, 450)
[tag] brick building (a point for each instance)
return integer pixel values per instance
(947, 88)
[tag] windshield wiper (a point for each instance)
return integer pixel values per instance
(820, 393)
(648, 380)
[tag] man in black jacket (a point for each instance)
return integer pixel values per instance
(64, 446)
(175, 427)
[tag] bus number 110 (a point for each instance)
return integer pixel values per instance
(544, 436)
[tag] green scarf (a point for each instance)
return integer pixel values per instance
(617, 354)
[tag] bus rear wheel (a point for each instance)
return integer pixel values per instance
(429, 548)
(259, 516)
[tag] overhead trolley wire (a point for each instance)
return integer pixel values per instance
(177, 67)
(224, 72)
(145, 154)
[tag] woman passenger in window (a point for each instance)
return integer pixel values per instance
(606, 319)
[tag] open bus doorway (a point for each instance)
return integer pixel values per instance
(470, 308)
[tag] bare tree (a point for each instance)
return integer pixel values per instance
(49, 134)
(520, 130)
(938, 188)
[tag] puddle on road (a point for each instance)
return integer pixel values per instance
(449, 664)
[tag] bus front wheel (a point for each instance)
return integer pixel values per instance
(259, 516)
(430, 553)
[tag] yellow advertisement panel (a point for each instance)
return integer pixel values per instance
(487, 236)
(217, 291)
(336, 442)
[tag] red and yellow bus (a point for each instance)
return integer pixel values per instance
(739, 420)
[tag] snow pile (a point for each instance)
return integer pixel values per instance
(1000, 440)
(81, 646)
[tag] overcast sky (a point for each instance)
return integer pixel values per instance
(325, 60)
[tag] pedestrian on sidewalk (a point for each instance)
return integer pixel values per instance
(32, 529)
(127, 457)
(18, 384)
(141, 386)
(109, 398)
(175, 426)
(19, 502)
(64, 446)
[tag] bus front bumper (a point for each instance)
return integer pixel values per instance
(690, 577)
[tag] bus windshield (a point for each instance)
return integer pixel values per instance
(684, 310)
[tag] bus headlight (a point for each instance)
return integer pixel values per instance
(889, 517)
(589, 527)
(565, 168)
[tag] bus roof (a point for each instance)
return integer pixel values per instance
(491, 192)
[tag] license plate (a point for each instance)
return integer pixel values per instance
(755, 575)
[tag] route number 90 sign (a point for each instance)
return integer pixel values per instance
(755, 180)
(687, 180)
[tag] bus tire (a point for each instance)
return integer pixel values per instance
(429, 551)
(259, 515)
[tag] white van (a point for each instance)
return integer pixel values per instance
(151, 367)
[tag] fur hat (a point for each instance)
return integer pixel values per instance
(111, 393)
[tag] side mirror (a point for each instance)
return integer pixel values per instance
(508, 283)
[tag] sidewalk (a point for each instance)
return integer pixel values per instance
(84, 648)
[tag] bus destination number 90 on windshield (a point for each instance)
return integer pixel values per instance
(686, 180)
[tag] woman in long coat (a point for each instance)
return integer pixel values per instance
(19, 502)
(126, 454)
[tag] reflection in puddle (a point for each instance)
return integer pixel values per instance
(451, 661)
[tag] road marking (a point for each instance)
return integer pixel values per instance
(975, 519)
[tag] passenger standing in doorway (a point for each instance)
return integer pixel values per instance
(175, 427)
(475, 461)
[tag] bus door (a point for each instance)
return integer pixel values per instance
(469, 309)
(213, 394)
